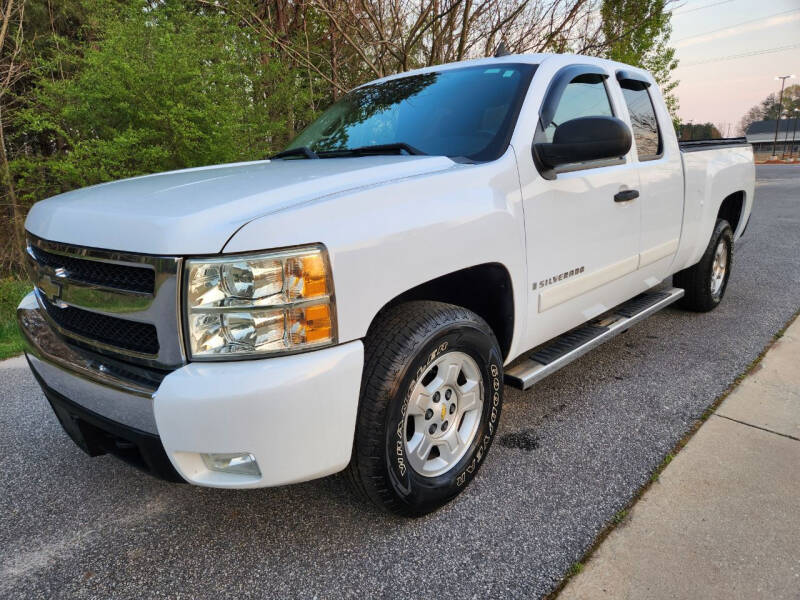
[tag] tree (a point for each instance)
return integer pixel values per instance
(155, 89)
(346, 43)
(12, 69)
(767, 109)
(637, 32)
(102, 89)
(32, 32)
(342, 44)
(698, 131)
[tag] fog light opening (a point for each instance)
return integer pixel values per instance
(240, 463)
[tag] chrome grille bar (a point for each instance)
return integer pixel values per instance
(95, 272)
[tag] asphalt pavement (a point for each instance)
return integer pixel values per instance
(573, 451)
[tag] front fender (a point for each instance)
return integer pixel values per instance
(389, 238)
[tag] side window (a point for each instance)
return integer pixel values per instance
(643, 119)
(584, 96)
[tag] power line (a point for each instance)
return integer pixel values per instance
(683, 12)
(743, 55)
(691, 37)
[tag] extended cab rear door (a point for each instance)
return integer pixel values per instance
(582, 237)
(660, 174)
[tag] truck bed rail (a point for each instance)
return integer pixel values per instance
(698, 145)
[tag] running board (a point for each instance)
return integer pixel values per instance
(562, 350)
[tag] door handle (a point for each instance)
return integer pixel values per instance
(626, 195)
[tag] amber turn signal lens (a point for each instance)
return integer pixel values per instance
(306, 277)
(315, 276)
(311, 324)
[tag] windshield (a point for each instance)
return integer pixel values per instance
(468, 112)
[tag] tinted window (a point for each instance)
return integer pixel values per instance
(467, 112)
(584, 96)
(643, 121)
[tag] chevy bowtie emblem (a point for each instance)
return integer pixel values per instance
(444, 411)
(56, 298)
(52, 289)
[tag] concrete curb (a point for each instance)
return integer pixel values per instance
(723, 519)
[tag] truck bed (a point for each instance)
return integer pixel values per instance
(713, 171)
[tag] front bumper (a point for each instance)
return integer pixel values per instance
(295, 414)
(97, 435)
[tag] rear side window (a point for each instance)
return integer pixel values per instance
(584, 96)
(643, 119)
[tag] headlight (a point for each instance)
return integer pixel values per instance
(273, 302)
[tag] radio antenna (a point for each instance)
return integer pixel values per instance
(501, 50)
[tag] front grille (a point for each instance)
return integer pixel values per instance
(121, 333)
(122, 277)
(119, 304)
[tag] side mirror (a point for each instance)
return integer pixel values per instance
(585, 139)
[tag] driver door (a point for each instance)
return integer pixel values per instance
(582, 237)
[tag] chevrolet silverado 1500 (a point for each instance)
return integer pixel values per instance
(358, 301)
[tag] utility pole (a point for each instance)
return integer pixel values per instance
(783, 79)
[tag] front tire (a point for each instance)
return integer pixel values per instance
(431, 397)
(705, 283)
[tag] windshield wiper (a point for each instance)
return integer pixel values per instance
(394, 148)
(301, 151)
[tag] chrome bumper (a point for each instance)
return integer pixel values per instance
(90, 380)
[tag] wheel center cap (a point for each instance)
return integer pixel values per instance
(444, 411)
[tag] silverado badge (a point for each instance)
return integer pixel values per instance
(559, 277)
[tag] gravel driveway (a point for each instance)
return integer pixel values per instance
(573, 451)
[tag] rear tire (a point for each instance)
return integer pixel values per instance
(431, 396)
(705, 283)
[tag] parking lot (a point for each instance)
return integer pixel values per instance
(572, 452)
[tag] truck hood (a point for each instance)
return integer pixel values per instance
(195, 211)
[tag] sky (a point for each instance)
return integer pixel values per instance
(705, 31)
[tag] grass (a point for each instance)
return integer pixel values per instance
(575, 569)
(11, 292)
(619, 517)
(657, 473)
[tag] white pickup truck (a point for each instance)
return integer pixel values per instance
(358, 301)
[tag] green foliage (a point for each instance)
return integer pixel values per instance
(619, 517)
(11, 292)
(575, 569)
(109, 89)
(789, 102)
(639, 32)
(767, 109)
(656, 475)
(161, 88)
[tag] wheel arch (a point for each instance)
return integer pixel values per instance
(732, 208)
(485, 289)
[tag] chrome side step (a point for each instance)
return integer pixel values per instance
(562, 350)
